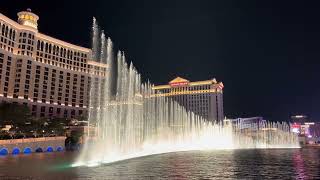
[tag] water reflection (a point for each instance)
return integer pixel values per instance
(234, 164)
(244, 166)
(298, 165)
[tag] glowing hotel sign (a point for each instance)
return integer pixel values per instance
(178, 82)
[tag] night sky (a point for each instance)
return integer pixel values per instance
(267, 53)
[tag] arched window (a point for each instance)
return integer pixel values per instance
(14, 35)
(38, 45)
(41, 45)
(15, 151)
(59, 149)
(46, 50)
(49, 149)
(27, 150)
(54, 50)
(10, 33)
(71, 54)
(39, 149)
(3, 29)
(49, 48)
(57, 53)
(3, 151)
(6, 33)
(68, 54)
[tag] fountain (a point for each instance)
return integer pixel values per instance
(131, 122)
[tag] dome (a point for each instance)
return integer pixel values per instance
(28, 18)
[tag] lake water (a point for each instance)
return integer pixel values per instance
(228, 164)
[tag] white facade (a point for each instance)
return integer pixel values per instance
(50, 76)
(253, 123)
(204, 98)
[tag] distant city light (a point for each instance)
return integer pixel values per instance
(299, 116)
(309, 123)
(296, 130)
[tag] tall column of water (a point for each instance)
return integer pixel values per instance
(131, 120)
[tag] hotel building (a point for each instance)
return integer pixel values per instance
(252, 123)
(204, 98)
(50, 76)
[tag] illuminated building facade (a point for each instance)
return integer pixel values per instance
(304, 127)
(253, 123)
(50, 76)
(300, 125)
(299, 118)
(204, 98)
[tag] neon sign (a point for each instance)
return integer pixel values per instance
(174, 84)
(296, 128)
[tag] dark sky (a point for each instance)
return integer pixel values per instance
(267, 53)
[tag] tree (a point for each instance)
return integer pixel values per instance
(83, 117)
(16, 114)
(56, 126)
(5, 135)
(35, 127)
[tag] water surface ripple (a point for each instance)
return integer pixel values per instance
(223, 164)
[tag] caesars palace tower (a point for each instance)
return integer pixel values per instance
(50, 76)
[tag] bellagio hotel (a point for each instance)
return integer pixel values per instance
(204, 98)
(50, 76)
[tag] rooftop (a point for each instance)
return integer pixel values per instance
(178, 81)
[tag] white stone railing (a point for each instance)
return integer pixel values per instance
(30, 140)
